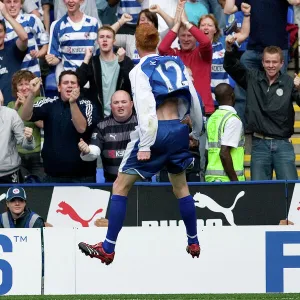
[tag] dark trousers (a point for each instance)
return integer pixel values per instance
(10, 178)
(31, 164)
(69, 179)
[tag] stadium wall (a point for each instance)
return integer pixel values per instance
(151, 256)
(245, 259)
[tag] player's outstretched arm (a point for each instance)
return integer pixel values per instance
(245, 30)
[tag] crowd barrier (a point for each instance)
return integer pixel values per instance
(150, 254)
(153, 204)
(244, 259)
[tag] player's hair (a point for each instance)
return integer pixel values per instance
(106, 27)
(147, 37)
(150, 16)
(18, 77)
(218, 30)
(2, 22)
(67, 72)
(273, 50)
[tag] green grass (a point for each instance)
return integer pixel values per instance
(163, 297)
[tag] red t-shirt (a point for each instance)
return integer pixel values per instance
(198, 60)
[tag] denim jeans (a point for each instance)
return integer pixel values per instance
(251, 59)
(269, 155)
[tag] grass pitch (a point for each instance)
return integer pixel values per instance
(162, 297)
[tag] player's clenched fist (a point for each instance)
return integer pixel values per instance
(125, 18)
(155, 8)
(83, 147)
(143, 155)
(28, 133)
(246, 8)
(121, 54)
(35, 85)
(297, 82)
(50, 59)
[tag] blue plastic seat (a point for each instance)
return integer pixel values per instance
(50, 85)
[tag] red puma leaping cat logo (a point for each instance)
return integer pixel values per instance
(298, 208)
(66, 209)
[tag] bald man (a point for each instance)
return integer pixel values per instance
(111, 136)
(225, 140)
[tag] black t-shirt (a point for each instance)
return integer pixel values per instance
(10, 62)
(267, 24)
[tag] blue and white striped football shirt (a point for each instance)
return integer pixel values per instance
(39, 6)
(37, 36)
(218, 74)
(68, 44)
(131, 7)
(239, 17)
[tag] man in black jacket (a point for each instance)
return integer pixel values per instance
(106, 73)
(269, 112)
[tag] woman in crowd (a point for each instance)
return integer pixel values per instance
(209, 25)
(148, 16)
(30, 159)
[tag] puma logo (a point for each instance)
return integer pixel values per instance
(203, 201)
(113, 136)
(298, 208)
(66, 209)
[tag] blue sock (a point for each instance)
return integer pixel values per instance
(117, 213)
(188, 214)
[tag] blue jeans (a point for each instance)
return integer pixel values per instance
(252, 59)
(269, 155)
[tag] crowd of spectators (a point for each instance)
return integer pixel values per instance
(90, 46)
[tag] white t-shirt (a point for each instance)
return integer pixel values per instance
(233, 129)
(88, 7)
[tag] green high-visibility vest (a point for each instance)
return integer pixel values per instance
(215, 130)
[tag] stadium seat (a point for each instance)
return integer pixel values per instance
(50, 85)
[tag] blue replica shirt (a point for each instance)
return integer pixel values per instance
(68, 44)
(132, 7)
(60, 152)
(37, 36)
(218, 74)
(238, 17)
(10, 62)
(155, 79)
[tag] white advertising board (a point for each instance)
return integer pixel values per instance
(59, 260)
(294, 211)
(75, 206)
(248, 259)
(20, 261)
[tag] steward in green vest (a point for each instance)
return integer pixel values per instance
(225, 139)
